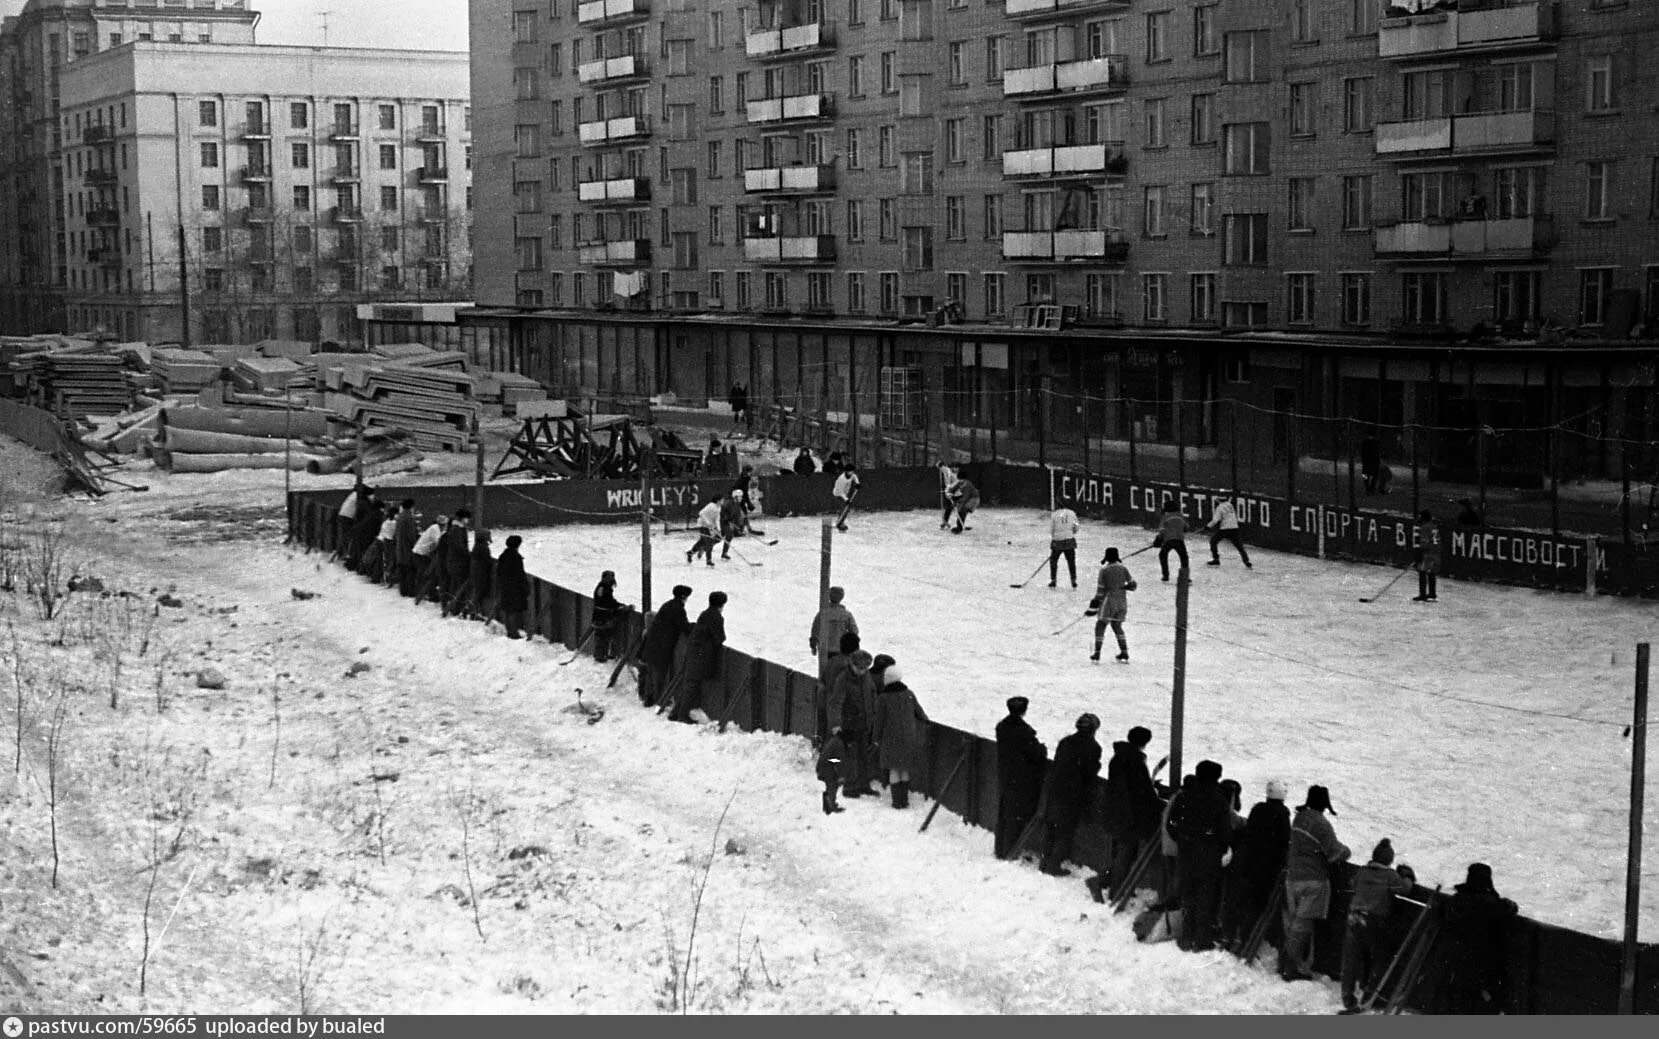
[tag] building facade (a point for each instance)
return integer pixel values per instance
(265, 191)
(38, 47)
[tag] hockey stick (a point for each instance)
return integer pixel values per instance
(667, 696)
(731, 705)
(761, 534)
(745, 558)
(1131, 882)
(627, 658)
(1389, 585)
(1270, 912)
(1068, 627)
(939, 798)
(1413, 934)
(579, 647)
(1033, 576)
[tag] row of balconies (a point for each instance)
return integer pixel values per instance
(617, 189)
(1034, 9)
(1476, 133)
(343, 214)
(790, 42)
(1513, 238)
(347, 174)
(1490, 28)
(628, 252)
(1088, 76)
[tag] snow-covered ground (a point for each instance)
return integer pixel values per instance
(1487, 726)
(323, 836)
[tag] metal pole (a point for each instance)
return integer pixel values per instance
(1129, 410)
(825, 552)
(1232, 439)
(649, 457)
(288, 442)
(1042, 430)
(478, 477)
(1178, 701)
(1554, 446)
(1180, 416)
(184, 291)
(1633, 864)
(1348, 441)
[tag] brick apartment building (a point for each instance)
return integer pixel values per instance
(1298, 203)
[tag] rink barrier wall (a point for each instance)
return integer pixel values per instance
(1550, 970)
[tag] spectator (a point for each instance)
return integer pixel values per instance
(454, 560)
(404, 539)
(1473, 923)
(607, 615)
(425, 556)
(1258, 859)
(833, 464)
(829, 670)
(363, 531)
(734, 399)
(702, 659)
(832, 772)
(851, 712)
(1076, 767)
(1314, 850)
(1020, 760)
(1202, 829)
(899, 721)
(512, 589)
(388, 545)
(804, 465)
(662, 638)
(475, 590)
(1366, 941)
(1133, 808)
(831, 622)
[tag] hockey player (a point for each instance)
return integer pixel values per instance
(1111, 603)
(846, 489)
(733, 520)
(1172, 536)
(1428, 557)
(1062, 541)
(947, 477)
(966, 498)
(1223, 526)
(708, 527)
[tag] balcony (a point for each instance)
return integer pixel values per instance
(103, 216)
(789, 180)
(798, 108)
(1038, 9)
(346, 174)
(431, 215)
(108, 257)
(102, 177)
(98, 134)
(624, 128)
(771, 44)
(1492, 28)
(432, 174)
(256, 131)
(628, 252)
(1065, 246)
(612, 12)
(1476, 133)
(612, 70)
(255, 174)
(346, 215)
(1090, 76)
(1075, 160)
(618, 190)
(343, 132)
(257, 214)
(430, 133)
(816, 248)
(1516, 238)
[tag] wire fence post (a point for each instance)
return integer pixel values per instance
(1416, 481)
(1129, 417)
(1232, 437)
(1042, 426)
(1348, 440)
(1180, 416)
(1633, 862)
(1178, 698)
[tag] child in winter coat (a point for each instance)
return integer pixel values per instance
(832, 772)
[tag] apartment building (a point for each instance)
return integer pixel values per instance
(1366, 174)
(38, 46)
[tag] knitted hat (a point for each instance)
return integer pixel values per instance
(717, 598)
(513, 541)
(837, 593)
(1140, 736)
(1383, 853)
(1276, 790)
(682, 591)
(1018, 704)
(1087, 723)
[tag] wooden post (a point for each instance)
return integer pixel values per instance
(1179, 414)
(288, 445)
(1129, 412)
(825, 552)
(478, 477)
(1232, 439)
(1624, 480)
(1178, 702)
(1553, 447)
(359, 465)
(1348, 440)
(649, 457)
(1042, 430)
(1633, 864)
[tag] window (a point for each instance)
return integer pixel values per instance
(389, 239)
(1356, 202)
(1356, 299)
(818, 290)
(1301, 109)
(213, 279)
(996, 294)
(389, 276)
(717, 94)
(855, 220)
(1153, 297)
(715, 161)
(1423, 296)
(855, 151)
(716, 296)
(1203, 30)
(1153, 209)
(527, 84)
(1245, 148)
(683, 185)
(679, 57)
(1520, 190)
(884, 146)
(302, 197)
(1203, 209)
(528, 138)
(1247, 59)
(210, 196)
(855, 75)
(299, 116)
(529, 253)
(993, 217)
(1595, 286)
(213, 239)
(1203, 299)
(1100, 295)
(207, 113)
(993, 57)
(918, 248)
(388, 199)
(956, 218)
(1157, 36)
(525, 26)
(717, 29)
(1653, 190)
(889, 10)
(1365, 17)
(1243, 314)
(740, 88)
(916, 176)
(685, 250)
(956, 289)
(1301, 203)
(1515, 295)
(1154, 123)
(1299, 299)
(1244, 239)
(991, 138)
(956, 67)
(1203, 119)
(745, 290)
(889, 72)
(1356, 104)
(210, 155)
(889, 292)
(1598, 182)
(953, 141)
(1598, 79)
(556, 60)
(855, 292)
(1301, 21)
(887, 216)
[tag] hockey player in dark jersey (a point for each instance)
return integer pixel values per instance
(1111, 603)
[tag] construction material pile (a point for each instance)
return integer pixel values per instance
(508, 389)
(434, 406)
(194, 439)
(184, 371)
(71, 378)
(264, 375)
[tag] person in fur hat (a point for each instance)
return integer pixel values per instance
(1473, 926)
(1314, 849)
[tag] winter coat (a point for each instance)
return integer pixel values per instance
(388, 527)
(606, 610)
(366, 527)
(1020, 760)
(708, 517)
(1200, 823)
(454, 555)
(1314, 848)
(731, 516)
(1264, 843)
(832, 761)
(965, 495)
(405, 536)
(832, 467)
(512, 588)
(829, 625)
(479, 571)
(1133, 806)
(1111, 594)
(1173, 527)
(703, 653)
(1472, 937)
(1076, 767)
(851, 706)
(1063, 525)
(899, 721)
(804, 465)
(427, 543)
(846, 486)
(1375, 886)
(663, 636)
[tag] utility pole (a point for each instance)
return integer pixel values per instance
(1633, 864)
(184, 293)
(1178, 702)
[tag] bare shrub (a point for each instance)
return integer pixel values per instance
(45, 565)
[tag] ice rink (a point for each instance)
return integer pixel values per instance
(1487, 726)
